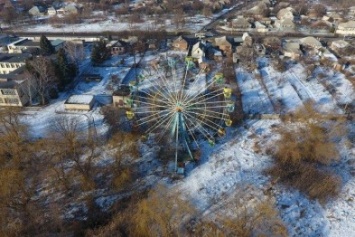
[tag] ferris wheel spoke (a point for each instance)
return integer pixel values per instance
(208, 85)
(209, 111)
(202, 130)
(205, 114)
(153, 98)
(160, 122)
(191, 132)
(166, 127)
(203, 122)
(166, 85)
(163, 92)
(208, 122)
(151, 118)
(202, 98)
(152, 104)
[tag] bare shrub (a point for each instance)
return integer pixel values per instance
(304, 152)
(259, 218)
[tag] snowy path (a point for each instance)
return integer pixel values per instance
(343, 90)
(254, 98)
(280, 90)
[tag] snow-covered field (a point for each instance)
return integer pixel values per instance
(233, 164)
(114, 24)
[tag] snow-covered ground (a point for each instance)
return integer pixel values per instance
(234, 163)
(114, 24)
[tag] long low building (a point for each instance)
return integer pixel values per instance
(79, 102)
(17, 92)
(346, 28)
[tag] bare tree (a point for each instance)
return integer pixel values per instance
(320, 10)
(42, 70)
(74, 51)
(178, 18)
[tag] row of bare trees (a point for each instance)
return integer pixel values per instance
(39, 176)
(47, 75)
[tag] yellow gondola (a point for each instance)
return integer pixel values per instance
(227, 92)
(129, 114)
(228, 122)
(221, 132)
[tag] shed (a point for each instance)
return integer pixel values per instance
(91, 77)
(121, 97)
(79, 102)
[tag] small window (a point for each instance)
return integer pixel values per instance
(8, 92)
(12, 101)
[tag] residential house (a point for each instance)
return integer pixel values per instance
(346, 28)
(260, 27)
(60, 11)
(22, 45)
(311, 42)
(224, 44)
(16, 90)
(12, 62)
(247, 40)
(198, 50)
(57, 44)
(341, 48)
(180, 44)
(117, 47)
(285, 13)
(36, 11)
(284, 24)
(265, 21)
(258, 11)
(324, 53)
(291, 49)
(335, 16)
(121, 97)
(51, 11)
(71, 9)
(79, 102)
(240, 23)
(352, 11)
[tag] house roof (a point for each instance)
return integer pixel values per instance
(259, 25)
(287, 22)
(311, 41)
(26, 42)
(198, 45)
(285, 13)
(11, 84)
(222, 41)
(293, 47)
(14, 58)
(79, 99)
(348, 24)
(339, 44)
(180, 38)
(57, 42)
(240, 21)
(123, 90)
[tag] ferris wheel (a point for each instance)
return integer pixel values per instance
(176, 100)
